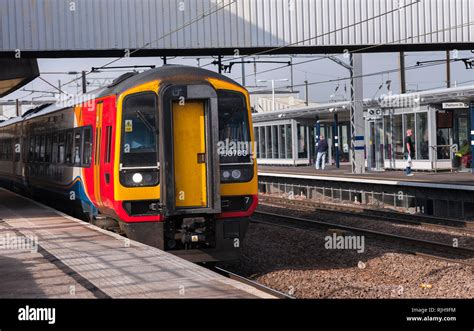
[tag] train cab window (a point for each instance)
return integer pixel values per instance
(77, 146)
(69, 146)
(234, 131)
(87, 146)
(140, 131)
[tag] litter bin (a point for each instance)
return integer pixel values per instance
(455, 161)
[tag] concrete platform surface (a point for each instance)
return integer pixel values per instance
(47, 254)
(442, 180)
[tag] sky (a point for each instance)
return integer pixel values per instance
(319, 71)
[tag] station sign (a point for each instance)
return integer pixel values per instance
(455, 105)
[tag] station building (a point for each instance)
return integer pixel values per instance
(441, 121)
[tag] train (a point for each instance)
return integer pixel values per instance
(164, 156)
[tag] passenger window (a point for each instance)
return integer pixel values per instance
(31, 152)
(87, 147)
(69, 146)
(42, 149)
(37, 148)
(62, 147)
(77, 146)
(55, 154)
(47, 154)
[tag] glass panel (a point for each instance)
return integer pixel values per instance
(344, 143)
(442, 141)
(139, 129)
(388, 137)
(281, 142)
(77, 146)
(289, 154)
(234, 125)
(275, 141)
(302, 146)
(263, 150)
(42, 148)
(422, 145)
(47, 155)
(69, 146)
(87, 150)
(398, 136)
(409, 124)
(462, 136)
(256, 137)
(55, 148)
(268, 141)
(61, 147)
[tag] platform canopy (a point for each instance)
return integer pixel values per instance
(63, 28)
(16, 73)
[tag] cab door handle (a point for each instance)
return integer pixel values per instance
(201, 157)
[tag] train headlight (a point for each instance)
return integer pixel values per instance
(137, 178)
(236, 174)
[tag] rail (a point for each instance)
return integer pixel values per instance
(413, 245)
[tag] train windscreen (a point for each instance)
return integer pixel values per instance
(140, 131)
(234, 134)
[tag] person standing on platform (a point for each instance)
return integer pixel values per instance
(322, 151)
(409, 152)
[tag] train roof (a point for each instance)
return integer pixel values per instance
(170, 72)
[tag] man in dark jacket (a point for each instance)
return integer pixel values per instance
(409, 152)
(322, 151)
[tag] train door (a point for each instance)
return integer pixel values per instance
(106, 148)
(189, 149)
(190, 169)
(97, 153)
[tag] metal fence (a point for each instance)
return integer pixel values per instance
(449, 206)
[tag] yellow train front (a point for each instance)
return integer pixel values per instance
(185, 171)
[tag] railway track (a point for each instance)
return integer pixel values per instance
(250, 282)
(386, 216)
(425, 248)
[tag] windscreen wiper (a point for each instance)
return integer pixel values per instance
(146, 122)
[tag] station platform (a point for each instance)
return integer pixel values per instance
(47, 254)
(439, 180)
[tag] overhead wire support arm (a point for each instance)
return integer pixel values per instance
(98, 69)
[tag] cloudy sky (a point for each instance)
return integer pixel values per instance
(320, 74)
